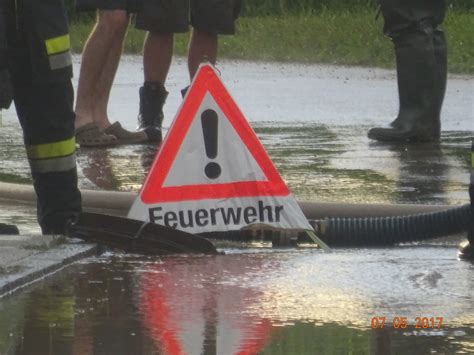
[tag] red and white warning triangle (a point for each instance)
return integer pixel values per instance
(211, 172)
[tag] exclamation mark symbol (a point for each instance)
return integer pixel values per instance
(210, 122)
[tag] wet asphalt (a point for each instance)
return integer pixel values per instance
(313, 121)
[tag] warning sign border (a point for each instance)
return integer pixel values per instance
(153, 191)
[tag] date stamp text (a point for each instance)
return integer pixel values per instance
(404, 322)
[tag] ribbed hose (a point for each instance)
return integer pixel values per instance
(376, 231)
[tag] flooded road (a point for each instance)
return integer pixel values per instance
(419, 299)
(313, 121)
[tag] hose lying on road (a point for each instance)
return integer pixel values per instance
(375, 231)
(337, 224)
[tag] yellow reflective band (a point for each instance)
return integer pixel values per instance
(58, 44)
(52, 150)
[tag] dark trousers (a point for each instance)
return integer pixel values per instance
(41, 70)
(408, 15)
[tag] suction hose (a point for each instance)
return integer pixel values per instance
(377, 231)
(337, 224)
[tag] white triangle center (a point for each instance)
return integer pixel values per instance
(234, 159)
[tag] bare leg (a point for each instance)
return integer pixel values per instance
(157, 56)
(202, 48)
(104, 84)
(105, 33)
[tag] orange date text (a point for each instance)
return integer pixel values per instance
(404, 322)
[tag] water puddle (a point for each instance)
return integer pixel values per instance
(250, 301)
(260, 300)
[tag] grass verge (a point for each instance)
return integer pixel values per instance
(335, 37)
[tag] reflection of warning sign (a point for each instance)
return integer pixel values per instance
(211, 172)
(205, 321)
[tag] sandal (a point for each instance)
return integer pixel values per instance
(90, 135)
(126, 137)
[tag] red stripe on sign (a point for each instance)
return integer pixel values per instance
(203, 192)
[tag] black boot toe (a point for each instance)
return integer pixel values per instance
(466, 250)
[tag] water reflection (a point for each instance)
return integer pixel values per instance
(318, 162)
(48, 323)
(423, 173)
(147, 155)
(120, 168)
(195, 306)
(97, 167)
(428, 172)
(105, 316)
(257, 302)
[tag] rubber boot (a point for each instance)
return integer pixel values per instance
(421, 91)
(152, 99)
(441, 57)
(58, 200)
(466, 249)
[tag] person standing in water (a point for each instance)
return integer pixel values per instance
(421, 61)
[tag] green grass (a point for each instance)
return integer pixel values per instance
(329, 36)
(460, 36)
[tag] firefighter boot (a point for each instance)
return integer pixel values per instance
(421, 90)
(466, 249)
(152, 99)
(59, 200)
(441, 57)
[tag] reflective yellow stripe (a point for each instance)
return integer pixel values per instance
(52, 150)
(58, 44)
